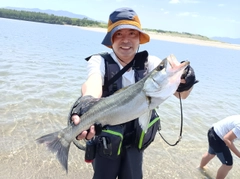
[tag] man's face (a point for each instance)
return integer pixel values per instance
(125, 43)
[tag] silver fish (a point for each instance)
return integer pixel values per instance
(146, 94)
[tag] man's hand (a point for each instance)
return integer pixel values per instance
(188, 79)
(82, 105)
(89, 134)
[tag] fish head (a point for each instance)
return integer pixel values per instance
(164, 80)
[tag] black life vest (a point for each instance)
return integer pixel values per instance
(131, 132)
(112, 68)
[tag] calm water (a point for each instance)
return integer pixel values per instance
(42, 68)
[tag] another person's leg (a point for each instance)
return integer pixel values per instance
(227, 161)
(211, 153)
(206, 158)
(223, 171)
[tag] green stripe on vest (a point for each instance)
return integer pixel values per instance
(117, 134)
(143, 134)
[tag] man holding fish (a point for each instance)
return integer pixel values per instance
(120, 124)
(124, 37)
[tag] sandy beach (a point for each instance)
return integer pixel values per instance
(164, 37)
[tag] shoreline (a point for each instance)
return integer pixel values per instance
(177, 39)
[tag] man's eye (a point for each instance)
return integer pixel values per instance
(134, 33)
(118, 34)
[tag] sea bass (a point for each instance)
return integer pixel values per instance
(142, 97)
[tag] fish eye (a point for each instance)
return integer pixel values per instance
(160, 67)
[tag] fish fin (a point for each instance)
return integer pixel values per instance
(144, 120)
(57, 144)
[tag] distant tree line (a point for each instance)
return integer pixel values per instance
(183, 34)
(52, 19)
(47, 18)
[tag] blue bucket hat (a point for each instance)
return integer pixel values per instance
(124, 18)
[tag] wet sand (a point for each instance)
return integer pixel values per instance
(170, 162)
(164, 37)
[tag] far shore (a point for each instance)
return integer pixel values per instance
(164, 37)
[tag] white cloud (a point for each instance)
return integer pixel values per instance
(184, 14)
(226, 20)
(232, 21)
(190, 14)
(164, 11)
(221, 5)
(190, 1)
(174, 1)
(212, 18)
(183, 1)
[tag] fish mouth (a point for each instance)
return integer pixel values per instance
(155, 83)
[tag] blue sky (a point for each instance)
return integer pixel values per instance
(211, 18)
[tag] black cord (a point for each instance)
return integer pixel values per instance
(180, 133)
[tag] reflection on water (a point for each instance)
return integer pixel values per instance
(41, 72)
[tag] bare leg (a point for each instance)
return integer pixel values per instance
(223, 171)
(205, 159)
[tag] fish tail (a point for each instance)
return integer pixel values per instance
(56, 143)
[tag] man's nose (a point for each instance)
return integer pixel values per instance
(125, 39)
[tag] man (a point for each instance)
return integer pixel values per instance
(220, 139)
(124, 37)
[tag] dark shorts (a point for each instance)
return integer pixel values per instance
(218, 147)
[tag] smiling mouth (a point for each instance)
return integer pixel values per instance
(126, 48)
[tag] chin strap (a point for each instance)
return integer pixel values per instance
(180, 133)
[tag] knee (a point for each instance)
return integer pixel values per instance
(230, 167)
(227, 167)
